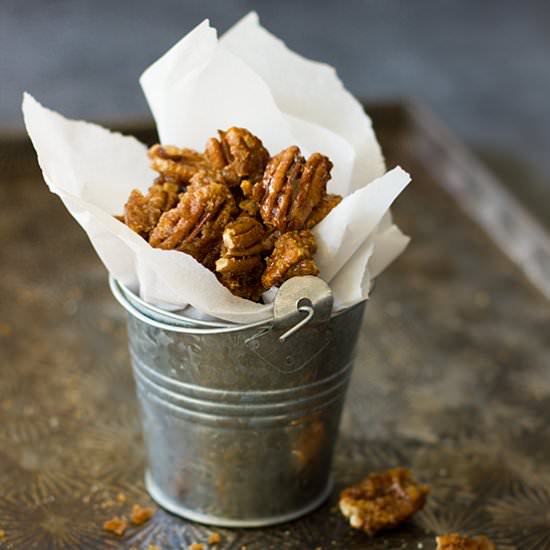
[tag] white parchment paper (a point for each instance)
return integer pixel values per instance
(247, 78)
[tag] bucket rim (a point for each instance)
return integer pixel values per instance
(159, 318)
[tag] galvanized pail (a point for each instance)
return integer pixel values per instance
(240, 421)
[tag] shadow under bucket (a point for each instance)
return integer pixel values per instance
(240, 421)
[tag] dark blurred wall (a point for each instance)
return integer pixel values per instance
(481, 65)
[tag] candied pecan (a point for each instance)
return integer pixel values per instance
(214, 538)
(247, 204)
(291, 257)
(247, 187)
(382, 500)
(237, 154)
(212, 256)
(176, 163)
(305, 267)
(327, 203)
(116, 525)
(205, 176)
(246, 283)
(241, 264)
(141, 514)
(142, 212)
(291, 188)
(196, 224)
(244, 237)
(454, 541)
(312, 188)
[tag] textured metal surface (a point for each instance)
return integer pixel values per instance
(240, 427)
(452, 378)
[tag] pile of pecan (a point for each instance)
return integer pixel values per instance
(243, 214)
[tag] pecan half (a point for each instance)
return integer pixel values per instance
(205, 176)
(291, 257)
(241, 264)
(176, 163)
(454, 541)
(142, 212)
(382, 500)
(244, 237)
(321, 211)
(196, 224)
(291, 188)
(238, 154)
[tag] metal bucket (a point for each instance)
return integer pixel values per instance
(240, 421)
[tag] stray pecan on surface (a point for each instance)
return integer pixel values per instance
(382, 500)
(142, 212)
(292, 188)
(454, 541)
(292, 256)
(116, 525)
(214, 538)
(141, 514)
(238, 154)
(241, 264)
(175, 163)
(196, 224)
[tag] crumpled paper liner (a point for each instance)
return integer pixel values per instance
(247, 78)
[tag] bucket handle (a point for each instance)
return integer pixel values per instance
(299, 295)
(310, 312)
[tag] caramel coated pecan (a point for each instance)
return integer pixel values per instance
(248, 204)
(142, 212)
(116, 525)
(178, 164)
(241, 264)
(238, 154)
(291, 257)
(205, 176)
(196, 224)
(244, 237)
(291, 188)
(382, 500)
(454, 541)
(141, 514)
(321, 211)
(245, 283)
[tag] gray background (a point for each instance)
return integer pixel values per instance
(483, 66)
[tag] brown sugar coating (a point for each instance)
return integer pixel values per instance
(321, 211)
(178, 164)
(292, 256)
(291, 188)
(205, 176)
(454, 541)
(141, 514)
(311, 190)
(243, 215)
(382, 500)
(116, 525)
(244, 237)
(241, 264)
(196, 224)
(238, 154)
(142, 212)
